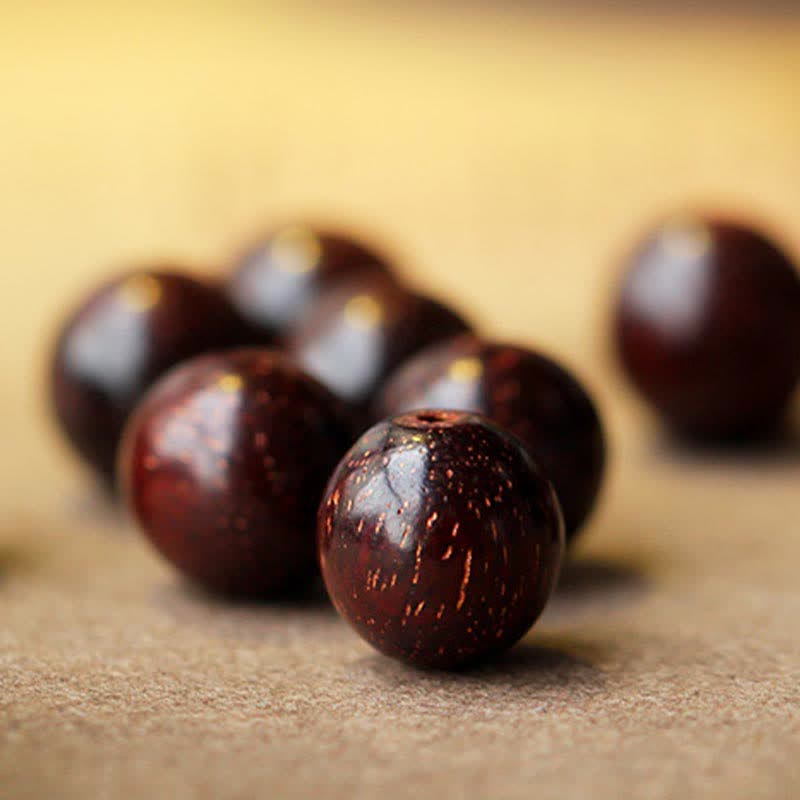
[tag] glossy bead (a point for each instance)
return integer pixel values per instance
(123, 337)
(223, 466)
(707, 327)
(527, 394)
(360, 331)
(439, 539)
(278, 279)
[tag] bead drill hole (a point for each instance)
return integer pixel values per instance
(431, 418)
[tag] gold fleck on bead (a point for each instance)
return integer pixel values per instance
(363, 311)
(686, 239)
(140, 292)
(466, 369)
(296, 249)
(230, 382)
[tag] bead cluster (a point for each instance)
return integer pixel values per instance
(311, 412)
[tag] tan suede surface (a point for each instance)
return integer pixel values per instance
(510, 157)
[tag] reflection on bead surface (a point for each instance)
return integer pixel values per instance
(277, 280)
(525, 392)
(707, 326)
(119, 341)
(439, 540)
(224, 464)
(360, 331)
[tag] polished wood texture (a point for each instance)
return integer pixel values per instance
(511, 159)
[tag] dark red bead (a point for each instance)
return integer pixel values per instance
(707, 327)
(223, 465)
(123, 337)
(439, 539)
(278, 279)
(360, 331)
(525, 392)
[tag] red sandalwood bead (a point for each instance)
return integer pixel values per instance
(707, 327)
(123, 337)
(224, 464)
(360, 331)
(280, 277)
(439, 539)
(525, 392)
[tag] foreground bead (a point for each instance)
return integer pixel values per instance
(224, 464)
(707, 327)
(439, 540)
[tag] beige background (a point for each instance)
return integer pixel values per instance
(509, 157)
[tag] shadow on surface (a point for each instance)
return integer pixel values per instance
(780, 449)
(95, 504)
(527, 679)
(242, 618)
(589, 585)
(310, 596)
(15, 560)
(545, 659)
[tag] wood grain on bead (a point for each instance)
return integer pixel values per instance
(224, 465)
(360, 331)
(128, 333)
(707, 326)
(278, 279)
(439, 540)
(528, 394)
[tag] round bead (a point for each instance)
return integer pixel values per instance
(223, 466)
(123, 337)
(278, 279)
(360, 331)
(707, 326)
(527, 394)
(439, 540)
